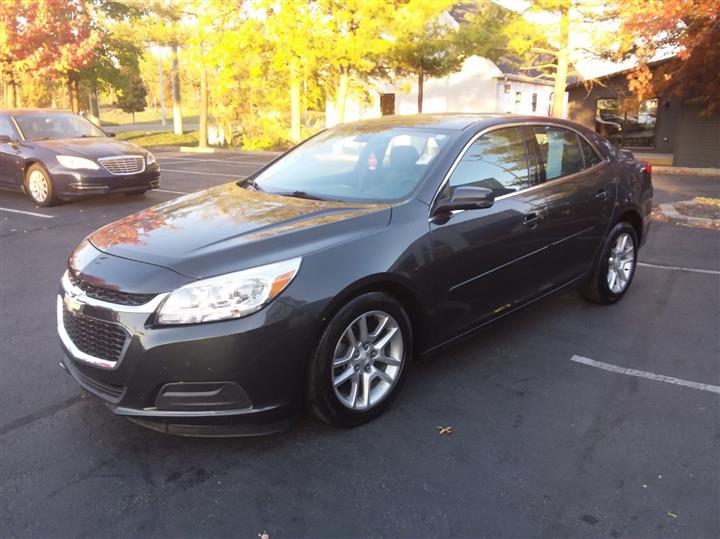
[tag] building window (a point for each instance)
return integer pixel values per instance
(518, 101)
(534, 102)
(627, 123)
(506, 87)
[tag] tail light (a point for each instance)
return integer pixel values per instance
(647, 167)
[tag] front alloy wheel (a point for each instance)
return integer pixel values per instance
(38, 186)
(367, 361)
(358, 365)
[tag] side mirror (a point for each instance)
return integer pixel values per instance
(4, 139)
(465, 197)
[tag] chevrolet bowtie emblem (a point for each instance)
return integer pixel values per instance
(72, 304)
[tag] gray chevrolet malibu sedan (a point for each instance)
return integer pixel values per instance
(316, 282)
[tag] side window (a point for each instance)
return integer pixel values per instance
(591, 156)
(496, 161)
(559, 151)
(6, 127)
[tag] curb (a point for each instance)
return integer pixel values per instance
(686, 171)
(669, 210)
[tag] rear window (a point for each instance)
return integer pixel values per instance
(559, 151)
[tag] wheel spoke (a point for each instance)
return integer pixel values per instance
(385, 377)
(380, 327)
(386, 338)
(343, 377)
(350, 336)
(388, 360)
(366, 380)
(362, 325)
(342, 360)
(611, 280)
(352, 397)
(623, 242)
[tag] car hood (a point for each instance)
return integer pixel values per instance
(92, 148)
(229, 228)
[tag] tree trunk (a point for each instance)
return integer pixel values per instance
(70, 94)
(93, 108)
(562, 62)
(162, 89)
(177, 109)
(295, 82)
(202, 136)
(133, 113)
(342, 95)
(76, 97)
(421, 81)
(12, 93)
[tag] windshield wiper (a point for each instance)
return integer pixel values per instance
(301, 194)
(249, 182)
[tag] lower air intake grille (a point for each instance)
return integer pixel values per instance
(97, 338)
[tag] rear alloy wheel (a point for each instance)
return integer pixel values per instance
(38, 186)
(615, 268)
(360, 360)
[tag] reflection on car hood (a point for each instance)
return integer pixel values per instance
(89, 147)
(228, 228)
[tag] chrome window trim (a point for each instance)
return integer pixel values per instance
(17, 128)
(126, 156)
(482, 132)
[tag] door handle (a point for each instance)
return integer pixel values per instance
(601, 194)
(531, 219)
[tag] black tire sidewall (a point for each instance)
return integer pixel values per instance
(321, 396)
(50, 199)
(602, 286)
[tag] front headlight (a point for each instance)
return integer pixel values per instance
(149, 158)
(70, 161)
(228, 296)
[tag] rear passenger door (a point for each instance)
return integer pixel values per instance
(10, 161)
(579, 189)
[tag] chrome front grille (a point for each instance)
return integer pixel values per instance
(124, 164)
(111, 296)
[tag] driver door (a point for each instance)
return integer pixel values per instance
(488, 261)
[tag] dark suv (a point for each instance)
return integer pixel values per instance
(316, 281)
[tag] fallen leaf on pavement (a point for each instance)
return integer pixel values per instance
(444, 430)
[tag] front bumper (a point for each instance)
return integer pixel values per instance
(237, 377)
(75, 184)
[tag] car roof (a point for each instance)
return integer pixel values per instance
(27, 112)
(454, 121)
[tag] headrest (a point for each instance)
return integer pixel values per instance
(403, 156)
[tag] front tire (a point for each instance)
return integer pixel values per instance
(39, 186)
(359, 363)
(615, 268)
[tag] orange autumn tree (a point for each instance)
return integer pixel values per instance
(689, 28)
(46, 37)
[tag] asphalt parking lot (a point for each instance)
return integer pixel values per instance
(541, 446)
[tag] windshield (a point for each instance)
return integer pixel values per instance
(45, 126)
(356, 163)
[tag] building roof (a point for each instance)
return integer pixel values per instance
(622, 72)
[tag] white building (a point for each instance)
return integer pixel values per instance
(479, 86)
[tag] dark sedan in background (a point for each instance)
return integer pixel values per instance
(53, 155)
(317, 280)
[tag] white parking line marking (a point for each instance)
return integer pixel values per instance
(202, 173)
(645, 374)
(28, 213)
(679, 268)
(173, 192)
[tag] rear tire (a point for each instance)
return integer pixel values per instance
(360, 361)
(39, 186)
(614, 268)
